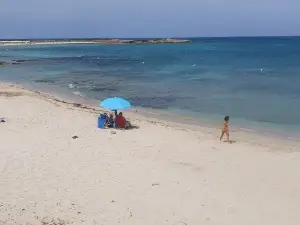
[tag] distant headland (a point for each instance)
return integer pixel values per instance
(94, 41)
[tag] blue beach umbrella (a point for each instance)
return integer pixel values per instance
(115, 103)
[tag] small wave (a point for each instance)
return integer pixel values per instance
(71, 85)
(247, 129)
(86, 86)
(294, 137)
(79, 93)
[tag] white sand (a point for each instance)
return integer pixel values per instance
(155, 175)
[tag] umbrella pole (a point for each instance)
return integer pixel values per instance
(116, 113)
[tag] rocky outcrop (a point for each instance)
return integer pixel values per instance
(17, 62)
(20, 60)
(154, 41)
(97, 41)
(3, 63)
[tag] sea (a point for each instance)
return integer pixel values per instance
(255, 80)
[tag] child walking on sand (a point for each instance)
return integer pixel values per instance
(225, 129)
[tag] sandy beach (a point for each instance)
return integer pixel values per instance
(161, 173)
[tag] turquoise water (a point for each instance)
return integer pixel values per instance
(254, 80)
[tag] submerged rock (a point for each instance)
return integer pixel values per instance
(44, 81)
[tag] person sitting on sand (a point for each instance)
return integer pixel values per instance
(225, 129)
(110, 121)
(121, 121)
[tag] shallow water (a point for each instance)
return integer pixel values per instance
(254, 80)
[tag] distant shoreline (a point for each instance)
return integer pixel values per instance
(92, 41)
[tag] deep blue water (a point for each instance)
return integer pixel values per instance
(251, 79)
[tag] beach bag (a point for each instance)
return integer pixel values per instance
(101, 120)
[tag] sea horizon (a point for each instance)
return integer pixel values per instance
(154, 37)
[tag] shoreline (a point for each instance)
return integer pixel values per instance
(164, 118)
(57, 167)
(200, 121)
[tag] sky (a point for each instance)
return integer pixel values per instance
(155, 18)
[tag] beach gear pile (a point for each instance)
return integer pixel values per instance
(113, 104)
